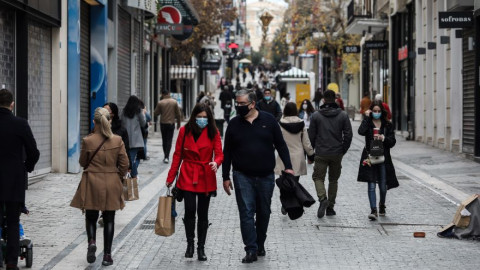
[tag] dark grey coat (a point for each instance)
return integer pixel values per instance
(365, 173)
(330, 131)
(15, 138)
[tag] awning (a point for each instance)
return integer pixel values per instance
(149, 6)
(361, 25)
(294, 74)
(185, 8)
(182, 72)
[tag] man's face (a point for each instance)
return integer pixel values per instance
(11, 106)
(242, 100)
(267, 93)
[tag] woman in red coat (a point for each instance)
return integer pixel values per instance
(200, 157)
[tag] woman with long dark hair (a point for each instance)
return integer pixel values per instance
(133, 119)
(117, 128)
(375, 126)
(199, 151)
(103, 158)
(305, 112)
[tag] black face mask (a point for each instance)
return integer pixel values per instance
(242, 110)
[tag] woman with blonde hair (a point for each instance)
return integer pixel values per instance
(104, 161)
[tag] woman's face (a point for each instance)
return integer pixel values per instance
(376, 109)
(305, 102)
(109, 110)
(202, 115)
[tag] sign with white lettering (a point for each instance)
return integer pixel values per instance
(376, 44)
(351, 49)
(463, 19)
(169, 29)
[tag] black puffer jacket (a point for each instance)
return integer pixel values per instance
(330, 131)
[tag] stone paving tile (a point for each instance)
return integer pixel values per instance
(346, 241)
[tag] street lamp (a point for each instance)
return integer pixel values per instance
(266, 18)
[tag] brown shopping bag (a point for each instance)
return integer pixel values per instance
(165, 222)
(130, 188)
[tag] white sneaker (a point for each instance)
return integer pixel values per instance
(165, 160)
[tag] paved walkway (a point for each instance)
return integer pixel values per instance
(431, 182)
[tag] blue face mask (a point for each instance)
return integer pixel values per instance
(202, 122)
(267, 98)
(376, 115)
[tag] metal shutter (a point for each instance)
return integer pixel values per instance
(468, 144)
(7, 48)
(40, 90)
(123, 57)
(84, 69)
(138, 38)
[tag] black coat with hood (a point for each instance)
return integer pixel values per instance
(330, 131)
(365, 173)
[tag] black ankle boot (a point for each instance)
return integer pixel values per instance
(190, 233)
(202, 228)
(381, 211)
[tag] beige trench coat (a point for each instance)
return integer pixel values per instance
(297, 143)
(101, 185)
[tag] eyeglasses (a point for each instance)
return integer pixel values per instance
(242, 103)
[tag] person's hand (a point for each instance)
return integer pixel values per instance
(227, 186)
(367, 112)
(380, 137)
(168, 184)
(290, 171)
(214, 166)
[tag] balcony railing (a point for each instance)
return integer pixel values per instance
(358, 10)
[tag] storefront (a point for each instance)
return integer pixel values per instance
(403, 71)
(26, 67)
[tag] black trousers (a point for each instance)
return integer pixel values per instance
(192, 206)
(11, 210)
(167, 137)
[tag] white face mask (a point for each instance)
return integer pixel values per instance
(304, 106)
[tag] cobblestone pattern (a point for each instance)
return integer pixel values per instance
(52, 224)
(345, 241)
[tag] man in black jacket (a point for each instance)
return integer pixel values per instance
(330, 133)
(15, 138)
(270, 105)
(250, 142)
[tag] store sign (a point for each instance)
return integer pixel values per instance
(147, 5)
(169, 15)
(376, 44)
(462, 19)
(403, 53)
(210, 58)
(169, 29)
(351, 49)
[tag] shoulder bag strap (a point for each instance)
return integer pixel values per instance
(94, 153)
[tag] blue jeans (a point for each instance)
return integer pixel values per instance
(379, 170)
(254, 197)
(133, 157)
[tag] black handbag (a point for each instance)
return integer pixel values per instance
(376, 148)
(176, 192)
